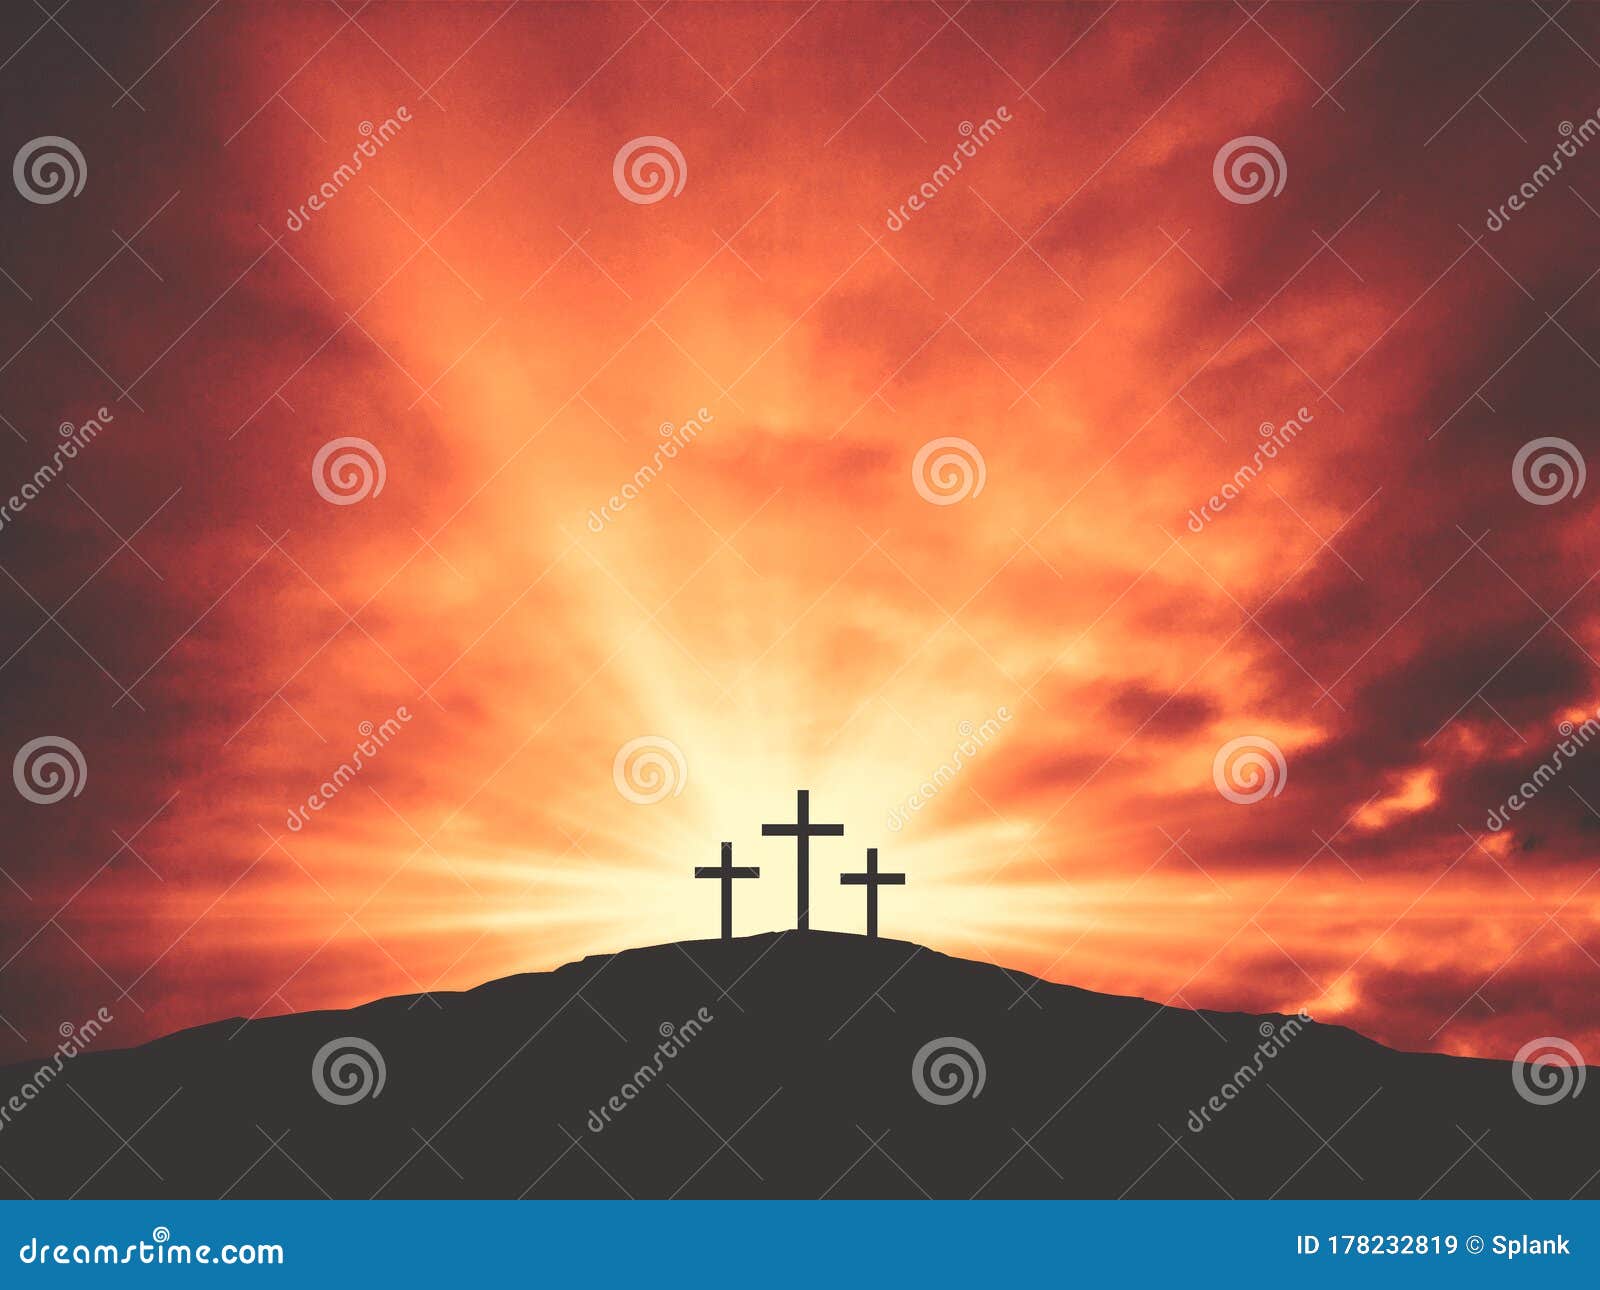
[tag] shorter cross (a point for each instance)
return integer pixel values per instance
(727, 871)
(872, 880)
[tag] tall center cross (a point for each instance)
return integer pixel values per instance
(802, 831)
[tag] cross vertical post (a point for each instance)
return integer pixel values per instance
(802, 831)
(872, 880)
(727, 871)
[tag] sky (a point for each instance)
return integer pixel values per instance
(924, 511)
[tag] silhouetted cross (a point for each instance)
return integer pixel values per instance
(802, 831)
(872, 880)
(727, 871)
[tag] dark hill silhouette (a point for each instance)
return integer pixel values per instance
(800, 1085)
